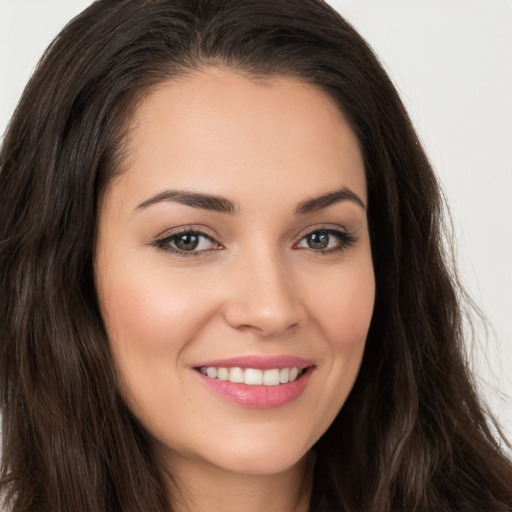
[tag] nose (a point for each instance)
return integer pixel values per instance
(264, 297)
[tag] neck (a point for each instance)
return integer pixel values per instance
(205, 488)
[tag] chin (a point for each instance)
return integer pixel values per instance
(259, 463)
(259, 454)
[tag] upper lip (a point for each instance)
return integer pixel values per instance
(259, 362)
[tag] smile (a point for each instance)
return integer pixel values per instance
(253, 376)
(257, 382)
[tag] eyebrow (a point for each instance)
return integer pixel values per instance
(194, 199)
(325, 200)
(222, 205)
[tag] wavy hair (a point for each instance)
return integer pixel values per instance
(412, 435)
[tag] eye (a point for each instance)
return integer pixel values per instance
(326, 240)
(187, 243)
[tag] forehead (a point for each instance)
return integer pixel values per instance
(220, 132)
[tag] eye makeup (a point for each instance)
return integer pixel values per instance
(193, 242)
(187, 242)
(324, 241)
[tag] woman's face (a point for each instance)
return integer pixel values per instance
(234, 271)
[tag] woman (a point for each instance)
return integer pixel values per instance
(223, 279)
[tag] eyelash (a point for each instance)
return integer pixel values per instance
(346, 240)
(164, 243)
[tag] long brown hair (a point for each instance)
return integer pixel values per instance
(412, 435)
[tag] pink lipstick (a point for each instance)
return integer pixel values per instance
(257, 381)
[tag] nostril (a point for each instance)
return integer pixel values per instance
(264, 321)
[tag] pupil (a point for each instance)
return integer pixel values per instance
(187, 242)
(318, 240)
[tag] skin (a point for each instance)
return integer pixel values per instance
(257, 288)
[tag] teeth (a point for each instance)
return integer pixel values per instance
(236, 375)
(271, 377)
(222, 373)
(253, 376)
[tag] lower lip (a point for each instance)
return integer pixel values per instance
(258, 397)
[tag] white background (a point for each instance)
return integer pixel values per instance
(452, 63)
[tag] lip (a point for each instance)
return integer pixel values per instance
(258, 397)
(259, 362)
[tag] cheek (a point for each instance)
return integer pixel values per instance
(343, 308)
(148, 310)
(149, 321)
(343, 311)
